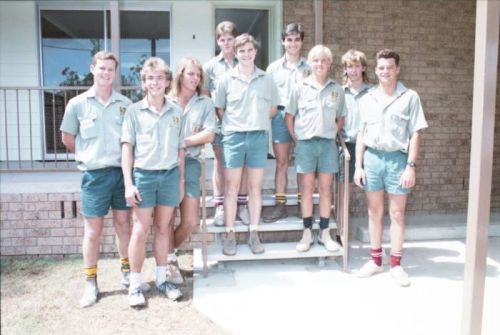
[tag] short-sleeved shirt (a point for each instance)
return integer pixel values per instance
(352, 123)
(389, 124)
(97, 129)
(316, 110)
(156, 137)
(246, 103)
(287, 77)
(213, 70)
(198, 115)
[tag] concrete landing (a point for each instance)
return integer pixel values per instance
(300, 297)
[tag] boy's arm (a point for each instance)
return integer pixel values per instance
(289, 121)
(68, 141)
(359, 173)
(132, 195)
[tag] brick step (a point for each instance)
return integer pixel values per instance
(291, 223)
(284, 250)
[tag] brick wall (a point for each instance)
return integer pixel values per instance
(436, 42)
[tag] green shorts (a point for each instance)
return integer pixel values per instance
(192, 173)
(317, 155)
(102, 189)
(157, 187)
(248, 148)
(383, 171)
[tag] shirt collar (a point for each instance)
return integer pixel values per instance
(235, 73)
(309, 82)
(144, 105)
(115, 96)
(220, 59)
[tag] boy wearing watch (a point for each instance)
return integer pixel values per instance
(387, 145)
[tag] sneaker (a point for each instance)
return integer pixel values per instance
(306, 241)
(369, 269)
(400, 276)
(174, 275)
(90, 293)
(325, 240)
(229, 247)
(278, 212)
(136, 298)
(219, 216)
(254, 243)
(243, 214)
(169, 290)
(145, 287)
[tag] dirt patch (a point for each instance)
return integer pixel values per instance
(41, 297)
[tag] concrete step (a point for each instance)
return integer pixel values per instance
(291, 223)
(269, 200)
(283, 250)
(428, 227)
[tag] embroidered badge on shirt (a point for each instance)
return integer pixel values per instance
(123, 110)
(335, 95)
(176, 121)
(307, 72)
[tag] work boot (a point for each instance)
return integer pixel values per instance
(254, 243)
(306, 241)
(229, 247)
(278, 212)
(325, 240)
(90, 293)
(243, 214)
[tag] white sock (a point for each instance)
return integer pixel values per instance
(161, 275)
(135, 280)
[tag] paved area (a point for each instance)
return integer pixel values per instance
(300, 297)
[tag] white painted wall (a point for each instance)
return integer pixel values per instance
(19, 66)
(192, 30)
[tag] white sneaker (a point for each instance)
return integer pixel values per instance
(400, 276)
(145, 287)
(169, 290)
(136, 298)
(306, 241)
(174, 274)
(243, 214)
(325, 239)
(219, 216)
(90, 293)
(369, 269)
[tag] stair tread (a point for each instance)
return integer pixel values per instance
(291, 223)
(282, 250)
(268, 200)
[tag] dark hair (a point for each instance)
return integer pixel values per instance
(293, 28)
(388, 53)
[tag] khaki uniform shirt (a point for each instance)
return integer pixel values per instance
(156, 137)
(97, 129)
(352, 123)
(316, 110)
(286, 78)
(389, 124)
(213, 70)
(246, 104)
(198, 115)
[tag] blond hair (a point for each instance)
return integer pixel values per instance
(354, 57)
(179, 72)
(151, 65)
(104, 55)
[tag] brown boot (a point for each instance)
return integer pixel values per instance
(278, 212)
(229, 248)
(254, 243)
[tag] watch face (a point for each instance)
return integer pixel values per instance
(411, 164)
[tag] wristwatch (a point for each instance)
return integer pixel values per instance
(411, 164)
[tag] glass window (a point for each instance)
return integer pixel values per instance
(69, 39)
(252, 21)
(143, 34)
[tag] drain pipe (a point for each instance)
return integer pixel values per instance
(318, 22)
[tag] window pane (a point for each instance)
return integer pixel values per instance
(143, 34)
(69, 39)
(252, 21)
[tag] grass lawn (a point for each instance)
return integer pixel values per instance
(41, 296)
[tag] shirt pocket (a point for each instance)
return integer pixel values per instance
(88, 128)
(398, 124)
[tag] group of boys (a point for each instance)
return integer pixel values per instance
(132, 155)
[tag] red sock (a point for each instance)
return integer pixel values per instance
(396, 258)
(376, 256)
